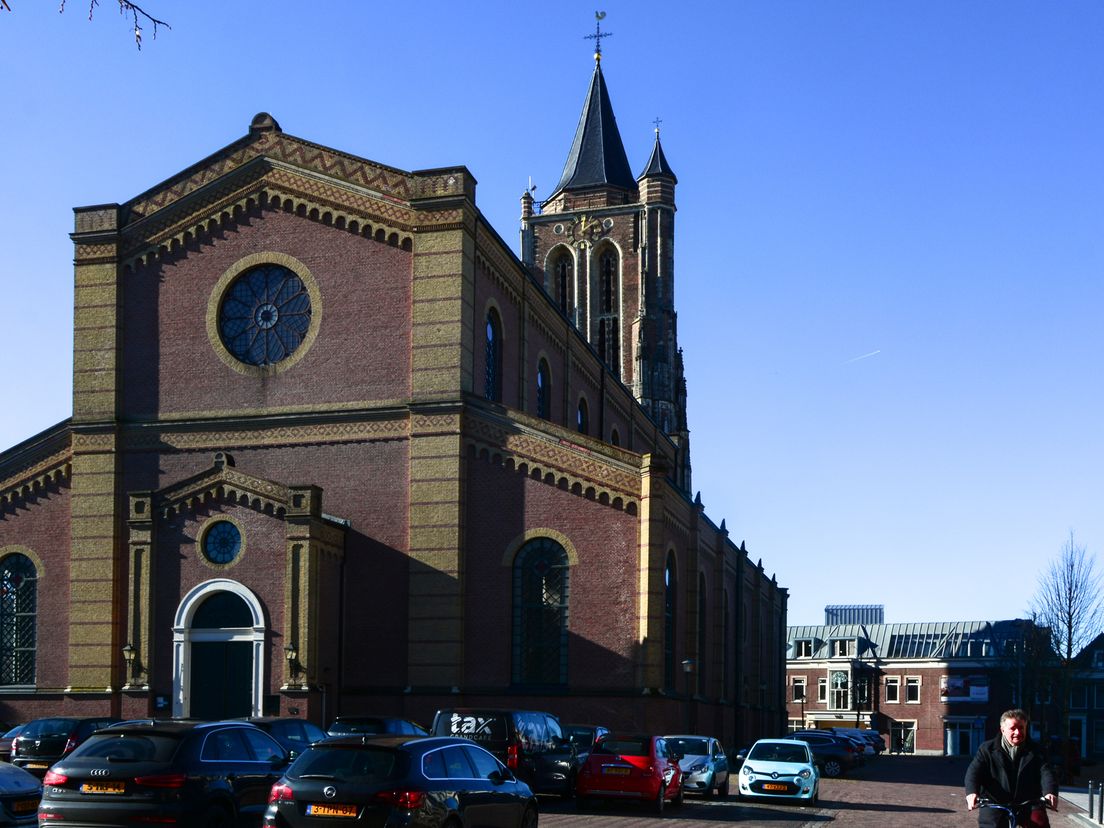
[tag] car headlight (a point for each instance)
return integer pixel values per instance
(746, 770)
(698, 768)
(805, 774)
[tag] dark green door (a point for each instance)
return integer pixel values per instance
(221, 679)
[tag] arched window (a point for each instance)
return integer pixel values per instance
(492, 384)
(18, 623)
(582, 417)
(726, 680)
(561, 282)
(221, 610)
(703, 657)
(615, 437)
(544, 390)
(669, 585)
(540, 613)
(609, 302)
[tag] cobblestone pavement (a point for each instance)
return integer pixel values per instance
(906, 791)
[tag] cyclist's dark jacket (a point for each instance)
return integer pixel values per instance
(992, 774)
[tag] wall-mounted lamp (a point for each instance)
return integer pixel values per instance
(292, 656)
(688, 666)
(128, 656)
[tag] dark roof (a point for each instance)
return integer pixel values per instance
(597, 155)
(657, 164)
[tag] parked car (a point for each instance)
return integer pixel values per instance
(194, 775)
(869, 738)
(834, 755)
(42, 742)
(780, 769)
(294, 735)
(375, 726)
(639, 768)
(530, 743)
(583, 736)
(704, 764)
(398, 780)
(20, 793)
(6, 743)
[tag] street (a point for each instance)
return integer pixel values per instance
(889, 791)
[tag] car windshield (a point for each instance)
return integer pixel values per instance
(365, 765)
(580, 735)
(11, 734)
(690, 747)
(128, 747)
(624, 747)
(45, 728)
(775, 752)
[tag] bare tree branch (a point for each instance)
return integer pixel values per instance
(137, 13)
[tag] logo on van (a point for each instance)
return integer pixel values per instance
(471, 725)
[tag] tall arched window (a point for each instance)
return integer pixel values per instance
(582, 417)
(540, 613)
(726, 679)
(609, 301)
(492, 386)
(544, 390)
(669, 585)
(561, 282)
(703, 657)
(18, 623)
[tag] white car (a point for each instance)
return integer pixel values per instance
(703, 762)
(780, 769)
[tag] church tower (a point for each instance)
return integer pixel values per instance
(602, 245)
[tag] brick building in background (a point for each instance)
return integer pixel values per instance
(335, 445)
(929, 688)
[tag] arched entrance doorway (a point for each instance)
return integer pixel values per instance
(218, 652)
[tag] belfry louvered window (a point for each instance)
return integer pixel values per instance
(492, 381)
(18, 608)
(540, 613)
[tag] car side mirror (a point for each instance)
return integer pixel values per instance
(676, 756)
(500, 776)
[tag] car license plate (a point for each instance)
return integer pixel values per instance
(102, 788)
(614, 770)
(318, 809)
(773, 786)
(36, 765)
(25, 806)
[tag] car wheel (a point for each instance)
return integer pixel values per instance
(722, 787)
(709, 787)
(528, 819)
(680, 796)
(569, 788)
(661, 798)
(832, 768)
(216, 817)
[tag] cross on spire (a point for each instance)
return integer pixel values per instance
(657, 122)
(598, 35)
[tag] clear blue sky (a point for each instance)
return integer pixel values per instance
(890, 237)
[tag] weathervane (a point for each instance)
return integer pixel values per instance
(598, 35)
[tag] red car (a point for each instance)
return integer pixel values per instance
(641, 768)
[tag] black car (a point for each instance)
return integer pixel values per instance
(584, 737)
(6, 743)
(377, 781)
(375, 726)
(530, 743)
(205, 775)
(42, 742)
(834, 755)
(294, 735)
(20, 793)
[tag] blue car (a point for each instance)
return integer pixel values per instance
(703, 762)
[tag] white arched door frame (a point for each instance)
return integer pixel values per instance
(184, 635)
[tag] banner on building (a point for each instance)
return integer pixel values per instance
(964, 688)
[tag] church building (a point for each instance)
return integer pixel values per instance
(335, 449)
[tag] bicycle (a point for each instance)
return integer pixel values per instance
(1014, 808)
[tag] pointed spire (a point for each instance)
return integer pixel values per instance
(657, 163)
(597, 156)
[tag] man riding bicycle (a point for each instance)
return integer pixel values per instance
(1011, 770)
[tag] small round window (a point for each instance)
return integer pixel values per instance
(265, 315)
(222, 542)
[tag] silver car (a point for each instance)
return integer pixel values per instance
(703, 762)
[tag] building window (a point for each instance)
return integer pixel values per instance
(582, 417)
(18, 626)
(841, 691)
(544, 390)
(799, 689)
(1079, 696)
(264, 315)
(702, 625)
(893, 689)
(794, 725)
(669, 584)
(912, 689)
(492, 381)
(843, 648)
(221, 542)
(609, 300)
(822, 690)
(540, 613)
(561, 276)
(1098, 659)
(615, 437)
(804, 648)
(1099, 699)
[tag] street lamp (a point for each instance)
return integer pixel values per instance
(128, 657)
(292, 656)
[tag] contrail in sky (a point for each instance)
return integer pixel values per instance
(864, 356)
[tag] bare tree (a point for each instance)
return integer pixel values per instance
(1069, 603)
(136, 12)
